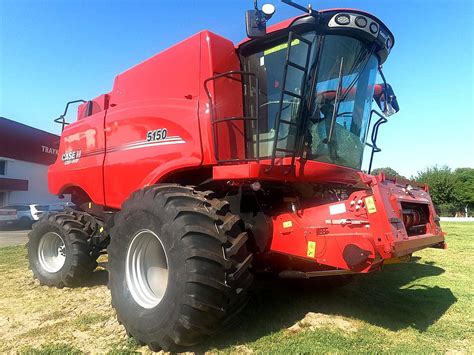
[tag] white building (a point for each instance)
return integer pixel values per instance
(25, 153)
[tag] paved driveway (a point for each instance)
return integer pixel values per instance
(13, 237)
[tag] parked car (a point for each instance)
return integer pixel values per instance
(26, 215)
(7, 215)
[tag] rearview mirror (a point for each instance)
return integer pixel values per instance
(256, 20)
(386, 99)
(255, 27)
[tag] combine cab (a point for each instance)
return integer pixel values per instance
(212, 162)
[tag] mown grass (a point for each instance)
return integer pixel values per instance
(425, 306)
(50, 349)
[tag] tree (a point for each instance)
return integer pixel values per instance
(465, 186)
(387, 171)
(443, 187)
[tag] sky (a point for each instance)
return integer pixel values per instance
(54, 51)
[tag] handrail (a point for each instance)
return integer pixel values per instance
(373, 138)
(62, 119)
(215, 120)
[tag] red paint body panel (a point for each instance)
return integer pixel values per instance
(162, 92)
(86, 136)
(305, 171)
(99, 104)
(219, 56)
(138, 163)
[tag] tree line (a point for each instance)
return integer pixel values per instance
(452, 191)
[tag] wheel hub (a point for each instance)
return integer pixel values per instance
(51, 252)
(146, 269)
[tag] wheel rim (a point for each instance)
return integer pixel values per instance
(146, 269)
(51, 252)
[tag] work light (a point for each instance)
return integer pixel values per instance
(268, 10)
(343, 19)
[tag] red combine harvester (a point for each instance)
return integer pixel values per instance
(210, 163)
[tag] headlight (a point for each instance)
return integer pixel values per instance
(361, 21)
(374, 28)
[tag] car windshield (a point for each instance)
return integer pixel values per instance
(344, 65)
(42, 208)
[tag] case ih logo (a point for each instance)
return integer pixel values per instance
(49, 150)
(71, 157)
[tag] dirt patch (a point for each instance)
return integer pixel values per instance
(312, 321)
(243, 349)
(459, 347)
(32, 316)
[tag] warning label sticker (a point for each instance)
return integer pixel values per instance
(280, 47)
(337, 209)
(311, 252)
(370, 204)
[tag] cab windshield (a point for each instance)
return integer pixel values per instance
(343, 93)
(328, 99)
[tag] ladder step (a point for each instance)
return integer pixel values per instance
(297, 66)
(289, 93)
(289, 122)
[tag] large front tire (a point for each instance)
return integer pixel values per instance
(59, 253)
(178, 266)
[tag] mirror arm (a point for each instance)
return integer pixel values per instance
(382, 75)
(384, 85)
(259, 18)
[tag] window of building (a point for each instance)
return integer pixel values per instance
(3, 167)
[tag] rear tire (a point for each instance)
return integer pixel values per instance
(178, 266)
(58, 250)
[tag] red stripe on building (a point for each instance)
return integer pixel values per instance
(22, 142)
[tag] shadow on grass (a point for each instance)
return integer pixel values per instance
(392, 299)
(381, 299)
(98, 278)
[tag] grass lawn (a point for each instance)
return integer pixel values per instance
(424, 306)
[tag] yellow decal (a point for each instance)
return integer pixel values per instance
(280, 47)
(311, 252)
(287, 224)
(370, 204)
